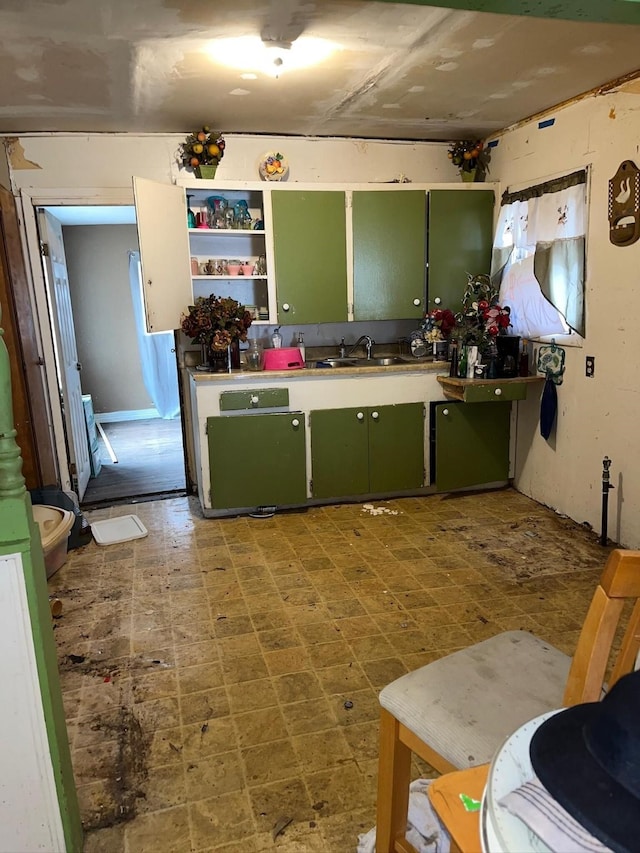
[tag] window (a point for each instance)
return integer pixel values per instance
(539, 256)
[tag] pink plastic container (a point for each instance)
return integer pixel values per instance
(247, 269)
(284, 358)
(233, 269)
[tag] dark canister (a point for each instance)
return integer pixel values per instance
(508, 355)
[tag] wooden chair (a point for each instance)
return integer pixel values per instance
(457, 711)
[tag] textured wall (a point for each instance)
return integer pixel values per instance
(597, 416)
(98, 264)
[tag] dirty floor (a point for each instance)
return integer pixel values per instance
(220, 677)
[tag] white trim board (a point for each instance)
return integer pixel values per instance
(29, 810)
(130, 415)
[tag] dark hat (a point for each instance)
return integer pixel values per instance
(588, 758)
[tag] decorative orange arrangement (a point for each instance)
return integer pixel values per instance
(467, 155)
(203, 148)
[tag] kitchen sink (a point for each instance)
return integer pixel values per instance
(338, 362)
(382, 361)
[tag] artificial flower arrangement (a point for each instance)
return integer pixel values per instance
(203, 148)
(216, 322)
(438, 325)
(482, 319)
(470, 157)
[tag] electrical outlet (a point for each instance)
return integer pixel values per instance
(590, 366)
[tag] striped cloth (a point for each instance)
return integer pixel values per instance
(544, 816)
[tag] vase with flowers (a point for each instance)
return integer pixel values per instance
(218, 324)
(470, 158)
(202, 151)
(482, 319)
(437, 327)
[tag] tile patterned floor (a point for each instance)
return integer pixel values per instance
(221, 676)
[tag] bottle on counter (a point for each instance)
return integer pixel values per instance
(343, 349)
(254, 355)
(300, 345)
(523, 366)
(453, 367)
(462, 362)
(276, 338)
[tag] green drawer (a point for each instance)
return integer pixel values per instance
(498, 392)
(261, 398)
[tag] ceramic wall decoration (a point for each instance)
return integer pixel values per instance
(624, 205)
(273, 167)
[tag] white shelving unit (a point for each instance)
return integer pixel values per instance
(244, 246)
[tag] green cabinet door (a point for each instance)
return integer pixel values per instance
(339, 452)
(389, 254)
(310, 249)
(471, 444)
(368, 449)
(257, 460)
(396, 447)
(460, 235)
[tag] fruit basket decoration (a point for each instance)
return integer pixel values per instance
(470, 158)
(202, 151)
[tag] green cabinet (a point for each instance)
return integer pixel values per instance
(257, 460)
(469, 444)
(310, 251)
(460, 236)
(389, 254)
(367, 450)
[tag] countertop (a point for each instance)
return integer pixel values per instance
(412, 365)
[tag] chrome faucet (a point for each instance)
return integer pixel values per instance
(368, 342)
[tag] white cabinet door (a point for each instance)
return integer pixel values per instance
(161, 213)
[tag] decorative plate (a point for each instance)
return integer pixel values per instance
(273, 167)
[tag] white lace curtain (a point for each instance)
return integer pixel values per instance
(539, 256)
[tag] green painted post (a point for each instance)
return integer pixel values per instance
(19, 535)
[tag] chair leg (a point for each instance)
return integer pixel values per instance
(394, 775)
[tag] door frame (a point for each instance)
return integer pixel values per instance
(27, 203)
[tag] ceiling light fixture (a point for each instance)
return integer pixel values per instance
(252, 54)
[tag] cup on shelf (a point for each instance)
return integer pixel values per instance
(234, 269)
(247, 269)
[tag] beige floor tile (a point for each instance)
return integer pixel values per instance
(163, 830)
(214, 775)
(204, 705)
(270, 762)
(237, 662)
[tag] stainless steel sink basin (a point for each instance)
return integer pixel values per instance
(338, 362)
(382, 361)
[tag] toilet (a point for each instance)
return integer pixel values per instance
(55, 525)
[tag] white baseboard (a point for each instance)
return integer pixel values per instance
(132, 415)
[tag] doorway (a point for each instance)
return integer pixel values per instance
(134, 453)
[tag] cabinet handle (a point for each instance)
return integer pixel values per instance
(375, 415)
(498, 392)
(437, 300)
(360, 416)
(255, 399)
(445, 411)
(417, 301)
(285, 306)
(295, 422)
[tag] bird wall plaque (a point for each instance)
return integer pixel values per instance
(624, 204)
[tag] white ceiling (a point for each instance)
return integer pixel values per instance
(399, 71)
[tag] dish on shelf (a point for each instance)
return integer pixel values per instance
(273, 167)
